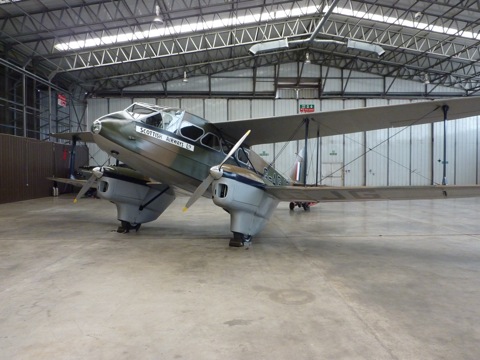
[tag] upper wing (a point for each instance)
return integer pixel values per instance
(285, 128)
(363, 193)
(85, 136)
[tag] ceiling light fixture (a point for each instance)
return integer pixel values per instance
(307, 58)
(158, 18)
(269, 46)
(425, 78)
(360, 45)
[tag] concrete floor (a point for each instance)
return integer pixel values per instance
(379, 280)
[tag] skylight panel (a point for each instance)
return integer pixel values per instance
(185, 28)
(406, 23)
(266, 16)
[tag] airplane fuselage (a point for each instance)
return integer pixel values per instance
(172, 146)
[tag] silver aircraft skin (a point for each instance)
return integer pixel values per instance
(172, 146)
(179, 150)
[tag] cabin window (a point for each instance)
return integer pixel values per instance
(172, 120)
(167, 120)
(191, 131)
(212, 141)
(139, 109)
(242, 156)
(154, 120)
(226, 146)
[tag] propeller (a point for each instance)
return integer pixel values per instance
(215, 173)
(97, 173)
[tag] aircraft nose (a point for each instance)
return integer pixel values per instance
(96, 126)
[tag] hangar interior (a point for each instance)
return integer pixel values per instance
(66, 64)
(386, 280)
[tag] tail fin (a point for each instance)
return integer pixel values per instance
(298, 167)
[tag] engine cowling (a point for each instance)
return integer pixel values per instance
(136, 202)
(250, 207)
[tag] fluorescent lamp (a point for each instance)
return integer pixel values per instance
(269, 46)
(364, 46)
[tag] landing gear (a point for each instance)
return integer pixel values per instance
(304, 205)
(240, 240)
(125, 227)
(247, 241)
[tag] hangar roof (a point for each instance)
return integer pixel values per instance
(108, 46)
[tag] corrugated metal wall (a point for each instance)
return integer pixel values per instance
(26, 163)
(411, 156)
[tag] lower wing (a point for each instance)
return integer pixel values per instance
(367, 193)
(74, 182)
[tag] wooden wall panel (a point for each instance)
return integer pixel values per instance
(26, 163)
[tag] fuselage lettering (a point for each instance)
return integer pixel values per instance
(165, 138)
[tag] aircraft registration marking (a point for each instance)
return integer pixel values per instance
(163, 137)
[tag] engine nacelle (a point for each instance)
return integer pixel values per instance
(250, 207)
(137, 203)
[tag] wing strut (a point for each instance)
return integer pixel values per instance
(305, 165)
(445, 111)
(318, 155)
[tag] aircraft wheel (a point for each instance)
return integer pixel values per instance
(240, 240)
(306, 206)
(292, 205)
(247, 241)
(125, 227)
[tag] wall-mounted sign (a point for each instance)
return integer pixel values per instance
(307, 108)
(62, 100)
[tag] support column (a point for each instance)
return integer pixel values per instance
(307, 123)
(445, 111)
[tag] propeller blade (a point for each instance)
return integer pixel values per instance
(199, 191)
(96, 174)
(234, 148)
(215, 174)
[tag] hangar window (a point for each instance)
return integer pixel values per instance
(212, 141)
